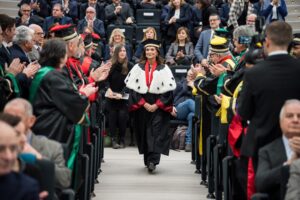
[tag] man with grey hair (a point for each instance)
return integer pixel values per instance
(282, 151)
(38, 40)
(251, 19)
(22, 43)
(49, 149)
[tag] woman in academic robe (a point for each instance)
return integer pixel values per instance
(57, 103)
(151, 84)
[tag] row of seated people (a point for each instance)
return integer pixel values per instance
(237, 114)
(18, 80)
(195, 18)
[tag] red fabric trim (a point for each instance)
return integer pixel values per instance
(162, 106)
(234, 132)
(85, 66)
(225, 58)
(149, 79)
(138, 105)
(91, 80)
(250, 180)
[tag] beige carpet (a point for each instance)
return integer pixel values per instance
(124, 177)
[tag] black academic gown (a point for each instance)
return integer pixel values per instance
(151, 128)
(57, 106)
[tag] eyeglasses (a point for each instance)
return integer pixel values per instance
(26, 10)
(40, 33)
(90, 12)
(213, 20)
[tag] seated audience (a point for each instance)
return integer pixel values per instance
(99, 8)
(119, 13)
(38, 40)
(26, 18)
(278, 153)
(38, 7)
(13, 185)
(181, 52)
(117, 37)
(149, 33)
(179, 15)
(56, 18)
(90, 20)
(48, 149)
(202, 46)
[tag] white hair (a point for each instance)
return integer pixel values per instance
(23, 34)
(21, 102)
(286, 103)
(244, 30)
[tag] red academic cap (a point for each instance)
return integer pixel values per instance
(66, 32)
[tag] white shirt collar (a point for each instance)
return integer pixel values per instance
(288, 150)
(279, 52)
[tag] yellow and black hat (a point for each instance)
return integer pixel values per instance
(66, 32)
(151, 42)
(219, 45)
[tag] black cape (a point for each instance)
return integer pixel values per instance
(58, 106)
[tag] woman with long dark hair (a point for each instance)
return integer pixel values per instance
(117, 105)
(151, 83)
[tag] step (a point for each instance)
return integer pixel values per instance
(291, 2)
(293, 17)
(295, 24)
(295, 9)
(8, 4)
(12, 12)
(296, 30)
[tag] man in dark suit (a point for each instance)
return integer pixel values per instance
(8, 26)
(278, 153)
(100, 12)
(266, 87)
(38, 7)
(56, 18)
(119, 13)
(92, 22)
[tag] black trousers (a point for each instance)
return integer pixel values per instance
(151, 157)
(117, 118)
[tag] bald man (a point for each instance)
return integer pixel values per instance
(13, 185)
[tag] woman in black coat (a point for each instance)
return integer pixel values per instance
(116, 100)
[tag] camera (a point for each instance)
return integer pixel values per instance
(255, 43)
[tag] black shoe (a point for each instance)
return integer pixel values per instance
(151, 167)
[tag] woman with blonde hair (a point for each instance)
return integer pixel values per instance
(116, 37)
(149, 33)
(181, 51)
